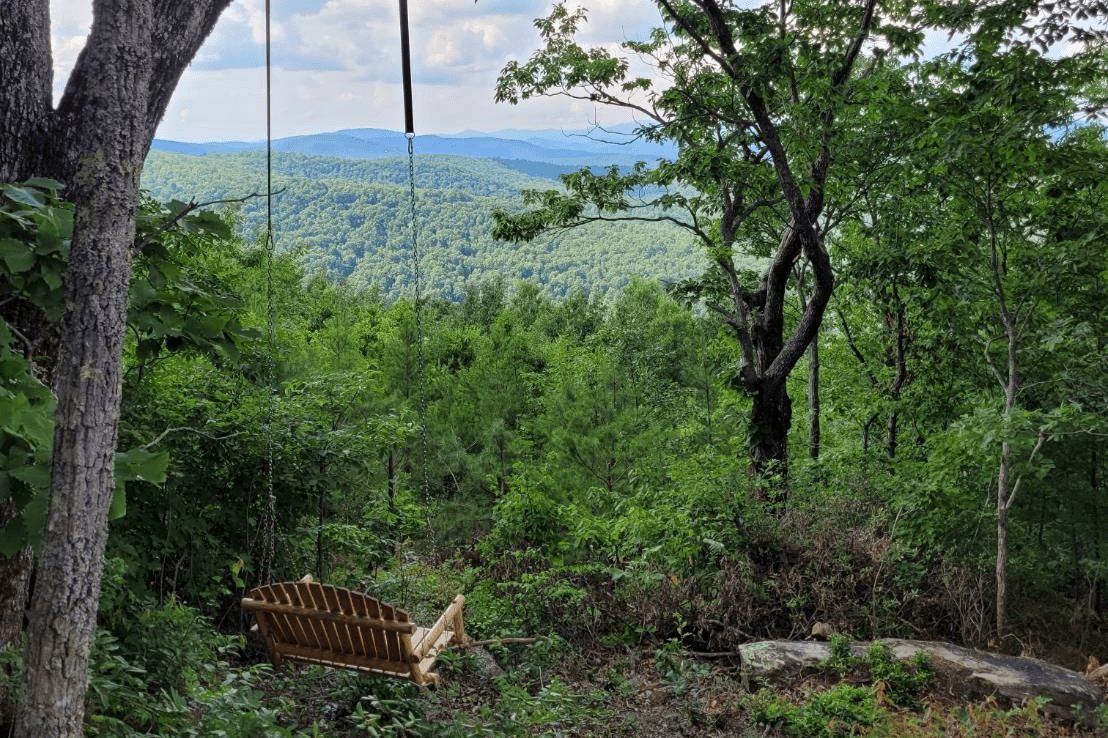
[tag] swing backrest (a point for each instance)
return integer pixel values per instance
(321, 624)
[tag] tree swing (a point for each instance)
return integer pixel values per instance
(317, 623)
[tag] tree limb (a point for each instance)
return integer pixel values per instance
(190, 208)
(167, 431)
(1015, 487)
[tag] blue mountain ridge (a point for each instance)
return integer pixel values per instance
(569, 149)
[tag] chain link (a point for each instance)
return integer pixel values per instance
(417, 281)
(268, 517)
(270, 514)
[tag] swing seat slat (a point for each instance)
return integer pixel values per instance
(319, 624)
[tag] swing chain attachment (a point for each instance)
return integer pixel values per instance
(418, 286)
(270, 512)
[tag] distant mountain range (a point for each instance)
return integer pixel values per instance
(564, 149)
(344, 207)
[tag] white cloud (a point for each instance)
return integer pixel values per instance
(230, 105)
(251, 13)
(70, 21)
(337, 65)
(70, 17)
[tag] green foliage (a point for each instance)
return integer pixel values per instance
(903, 681)
(842, 660)
(844, 709)
(163, 670)
(554, 707)
(834, 713)
(348, 218)
(526, 518)
(393, 710)
(167, 311)
(35, 226)
(26, 446)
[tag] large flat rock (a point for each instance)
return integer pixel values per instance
(1016, 678)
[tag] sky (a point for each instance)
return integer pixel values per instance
(337, 65)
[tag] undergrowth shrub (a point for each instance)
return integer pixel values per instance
(392, 710)
(730, 568)
(868, 683)
(163, 670)
(213, 700)
(835, 713)
(524, 594)
(526, 518)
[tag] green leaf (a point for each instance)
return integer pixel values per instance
(135, 464)
(118, 507)
(22, 195)
(141, 464)
(16, 255)
(44, 183)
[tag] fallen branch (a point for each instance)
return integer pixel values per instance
(490, 642)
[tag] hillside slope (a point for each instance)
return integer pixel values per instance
(351, 218)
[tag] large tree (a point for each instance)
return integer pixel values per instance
(770, 108)
(755, 100)
(94, 142)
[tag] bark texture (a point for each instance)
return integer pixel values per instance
(25, 101)
(95, 143)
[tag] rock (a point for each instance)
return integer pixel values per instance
(486, 664)
(1017, 678)
(777, 659)
(822, 631)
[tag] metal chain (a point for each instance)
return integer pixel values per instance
(264, 570)
(270, 514)
(416, 278)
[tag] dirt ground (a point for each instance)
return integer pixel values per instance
(690, 695)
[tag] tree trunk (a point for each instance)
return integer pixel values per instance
(63, 614)
(1005, 492)
(109, 152)
(1002, 540)
(771, 418)
(94, 143)
(813, 399)
(15, 577)
(28, 86)
(24, 108)
(891, 434)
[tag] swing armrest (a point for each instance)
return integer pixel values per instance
(452, 616)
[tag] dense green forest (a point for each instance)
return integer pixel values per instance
(351, 218)
(865, 389)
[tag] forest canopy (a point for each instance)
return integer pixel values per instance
(588, 426)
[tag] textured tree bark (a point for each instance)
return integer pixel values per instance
(95, 143)
(771, 415)
(1002, 540)
(24, 106)
(25, 99)
(107, 146)
(771, 418)
(813, 380)
(63, 614)
(814, 437)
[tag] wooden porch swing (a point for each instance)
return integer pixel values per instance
(320, 624)
(317, 623)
